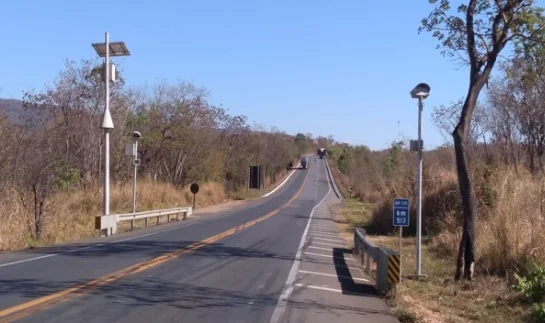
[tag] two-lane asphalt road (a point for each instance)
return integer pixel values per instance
(228, 267)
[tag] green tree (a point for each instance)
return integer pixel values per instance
(476, 33)
(393, 159)
(301, 143)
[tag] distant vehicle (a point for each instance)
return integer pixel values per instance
(322, 152)
(303, 163)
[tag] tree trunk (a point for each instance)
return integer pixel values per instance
(467, 249)
(38, 212)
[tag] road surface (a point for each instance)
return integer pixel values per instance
(278, 259)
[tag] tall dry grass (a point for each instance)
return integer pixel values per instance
(511, 218)
(510, 232)
(70, 215)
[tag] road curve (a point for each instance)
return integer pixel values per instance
(228, 267)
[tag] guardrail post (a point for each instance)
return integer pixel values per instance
(184, 215)
(177, 216)
(132, 225)
(168, 218)
(146, 222)
(158, 219)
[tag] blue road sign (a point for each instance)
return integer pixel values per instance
(401, 212)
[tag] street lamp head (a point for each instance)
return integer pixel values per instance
(422, 90)
(136, 135)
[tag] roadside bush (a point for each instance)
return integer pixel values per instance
(511, 201)
(406, 316)
(532, 285)
(538, 312)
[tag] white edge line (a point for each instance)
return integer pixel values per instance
(320, 248)
(96, 245)
(288, 286)
(327, 256)
(281, 184)
(331, 275)
(26, 260)
(328, 244)
(320, 288)
(333, 240)
(324, 235)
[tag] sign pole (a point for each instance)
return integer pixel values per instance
(400, 255)
(401, 218)
(194, 189)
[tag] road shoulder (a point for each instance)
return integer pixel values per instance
(328, 285)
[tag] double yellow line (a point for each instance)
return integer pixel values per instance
(39, 304)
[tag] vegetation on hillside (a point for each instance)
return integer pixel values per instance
(52, 153)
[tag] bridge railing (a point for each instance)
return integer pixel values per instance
(387, 262)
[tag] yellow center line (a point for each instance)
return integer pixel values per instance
(42, 303)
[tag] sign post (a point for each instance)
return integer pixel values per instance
(194, 189)
(400, 219)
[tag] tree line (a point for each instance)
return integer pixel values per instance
(56, 144)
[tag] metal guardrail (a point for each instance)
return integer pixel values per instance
(330, 175)
(386, 260)
(185, 211)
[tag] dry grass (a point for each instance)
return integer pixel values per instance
(510, 228)
(70, 216)
(511, 218)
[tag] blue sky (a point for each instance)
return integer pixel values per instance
(343, 68)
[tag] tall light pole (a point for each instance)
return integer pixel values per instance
(420, 92)
(136, 136)
(108, 225)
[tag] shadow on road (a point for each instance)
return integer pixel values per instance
(148, 292)
(348, 285)
(215, 256)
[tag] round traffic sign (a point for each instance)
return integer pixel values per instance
(194, 188)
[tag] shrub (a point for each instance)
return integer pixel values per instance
(532, 285)
(406, 316)
(538, 312)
